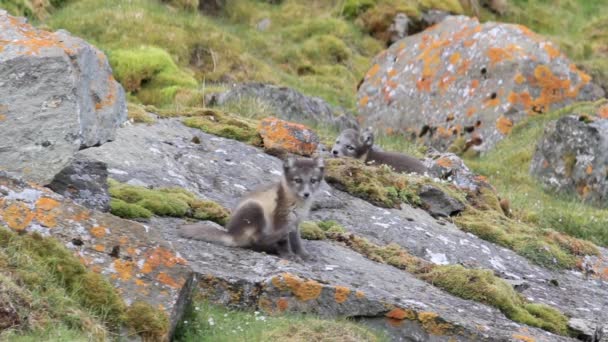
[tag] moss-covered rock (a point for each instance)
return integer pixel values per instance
(311, 231)
(138, 114)
(474, 284)
(130, 201)
(222, 124)
(380, 185)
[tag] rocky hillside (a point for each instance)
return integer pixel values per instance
(122, 121)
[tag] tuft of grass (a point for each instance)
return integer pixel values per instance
(52, 293)
(207, 322)
(379, 184)
(130, 201)
(222, 124)
(148, 322)
(507, 168)
(473, 284)
(138, 114)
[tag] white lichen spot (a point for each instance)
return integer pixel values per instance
(437, 258)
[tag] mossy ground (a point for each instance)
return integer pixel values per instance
(473, 284)
(130, 201)
(206, 322)
(319, 230)
(379, 184)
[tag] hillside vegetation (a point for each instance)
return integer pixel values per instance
(169, 55)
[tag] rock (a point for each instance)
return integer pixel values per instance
(589, 331)
(162, 154)
(432, 17)
(462, 79)
(399, 28)
(438, 203)
(450, 167)
(85, 181)
(134, 258)
(572, 158)
(263, 25)
(287, 103)
(57, 95)
(288, 136)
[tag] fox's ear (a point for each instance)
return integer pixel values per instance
(289, 163)
(319, 162)
(367, 137)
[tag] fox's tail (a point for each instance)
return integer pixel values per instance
(206, 232)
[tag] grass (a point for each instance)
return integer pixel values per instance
(206, 322)
(507, 168)
(321, 53)
(130, 201)
(51, 294)
(473, 284)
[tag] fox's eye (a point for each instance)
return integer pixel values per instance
(350, 148)
(337, 141)
(297, 180)
(313, 180)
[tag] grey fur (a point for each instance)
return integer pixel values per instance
(268, 219)
(360, 145)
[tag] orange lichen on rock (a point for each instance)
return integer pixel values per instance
(602, 112)
(166, 279)
(98, 231)
(17, 216)
(444, 162)
(99, 248)
(292, 137)
(45, 213)
(341, 294)
(523, 338)
(110, 97)
(401, 314)
(363, 101)
(373, 71)
(589, 169)
(432, 324)
(46, 203)
(282, 304)
(504, 125)
(519, 78)
(551, 51)
(158, 256)
(424, 84)
(303, 290)
(359, 294)
(454, 58)
(124, 269)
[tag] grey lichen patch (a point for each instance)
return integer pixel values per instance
(130, 201)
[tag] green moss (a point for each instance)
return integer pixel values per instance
(353, 8)
(331, 227)
(311, 231)
(544, 253)
(380, 185)
(473, 284)
(130, 201)
(149, 73)
(224, 125)
(210, 211)
(148, 322)
(189, 5)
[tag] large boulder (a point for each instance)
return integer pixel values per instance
(572, 157)
(222, 170)
(463, 79)
(57, 96)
